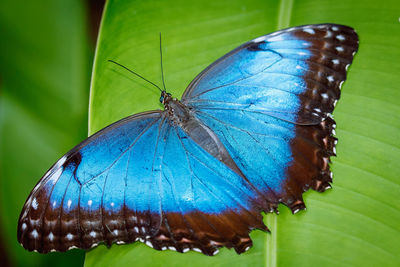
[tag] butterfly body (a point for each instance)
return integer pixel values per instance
(251, 131)
(180, 115)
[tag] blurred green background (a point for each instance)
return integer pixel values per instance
(46, 55)
(47, 50)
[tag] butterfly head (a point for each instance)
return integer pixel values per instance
(165, 97)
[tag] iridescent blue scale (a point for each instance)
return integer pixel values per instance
(253, 130)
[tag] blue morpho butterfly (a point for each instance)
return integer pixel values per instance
(253, 130)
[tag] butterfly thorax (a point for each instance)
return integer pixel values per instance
(182, 116)
(176, 111)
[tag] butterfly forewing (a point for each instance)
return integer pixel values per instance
(294, 74)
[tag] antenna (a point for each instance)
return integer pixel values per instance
(140, 76)
(162, 69)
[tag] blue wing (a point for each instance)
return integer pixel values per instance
(141, 178)
(293, 74)
(270, 100)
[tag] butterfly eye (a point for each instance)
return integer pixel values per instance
(161, 99)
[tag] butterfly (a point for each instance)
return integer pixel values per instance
(253, 130)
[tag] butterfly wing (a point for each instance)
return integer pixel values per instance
(68, 206)
(293, 74)
(270, 101)
(141, 178)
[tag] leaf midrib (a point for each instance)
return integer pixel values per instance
(284, 15)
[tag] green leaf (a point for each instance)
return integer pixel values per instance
(354, 224)
(44, 69)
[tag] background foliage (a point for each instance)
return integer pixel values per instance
(45, 60)
(44, 81)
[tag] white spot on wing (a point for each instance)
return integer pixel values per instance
(197, 250)
(172, 248)
(215, 252)
(335, 61)
(51, 236)
(112, 204)
(328, 187)
(185, 250)
(93, 234)
(324, 95)
(308, 30)
(330, 78)
(339, 48)
(340, 37)
(69, 203)
(69, 236)
(90, 203)
(35, 234)
(34, 222)
(54, 203)
(334, 28)
(34, 204)
(23, 226)
(115, 232)
(328, 34)
(149, 244)
(136, 229)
